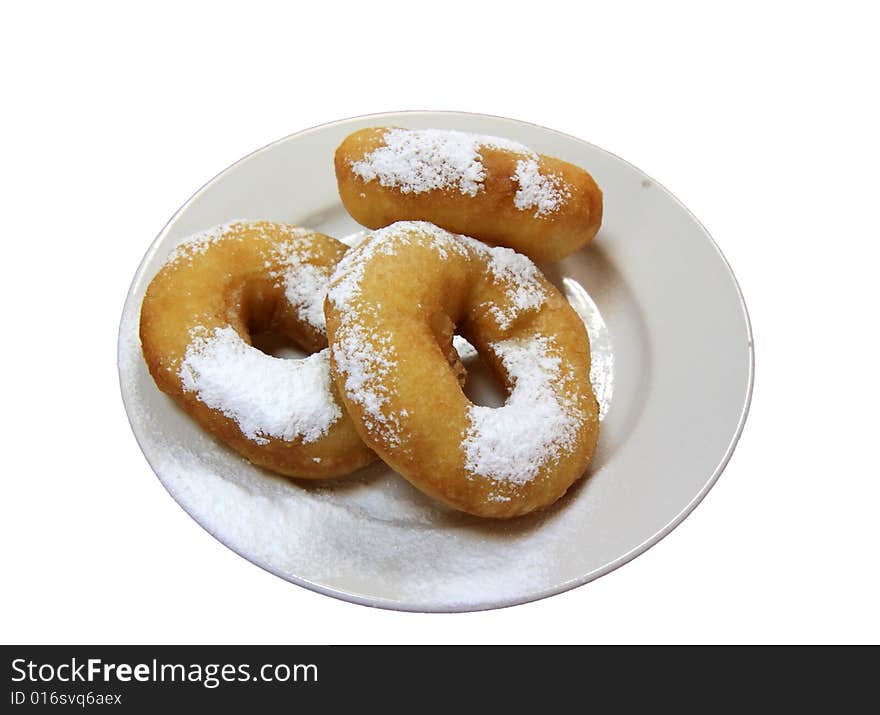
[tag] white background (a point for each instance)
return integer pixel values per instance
(762, 118)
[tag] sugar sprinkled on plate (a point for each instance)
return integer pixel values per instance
(377, 525)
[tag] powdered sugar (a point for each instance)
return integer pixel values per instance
(364, 360)
(369, 364)
(536, 425)
(465, 350)
(345, 282)
(524, 292)
(519, 276)
(418, 160)
(543, 192)
(415, 161)
(197, 243)
(266, 396)
(305, 285)
(234, 230)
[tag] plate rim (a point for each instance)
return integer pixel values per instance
(395, 605)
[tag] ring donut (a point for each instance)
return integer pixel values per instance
(490, 188)
(390, 365)
(216, 290)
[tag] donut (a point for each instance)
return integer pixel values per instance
(393, 303)
(216, 290)
(493, 189)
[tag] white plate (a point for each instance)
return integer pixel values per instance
(673, 368)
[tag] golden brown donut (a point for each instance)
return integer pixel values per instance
(394, 301)
(216, 290)
(490, 188)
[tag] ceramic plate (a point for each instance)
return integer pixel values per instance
(672, 367)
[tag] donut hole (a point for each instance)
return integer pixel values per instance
(276, 344)
(271, 326)
(482, 386)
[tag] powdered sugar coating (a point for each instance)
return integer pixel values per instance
(543, 192)
(344, 290)
(518, 275)
(465, 350)
(266, 396)
(235, 230)
(369, 363)
(535, 427)
(345, 281)
(305, 286)
(197, 243)
(415, 161)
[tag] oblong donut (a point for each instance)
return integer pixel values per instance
(216, 290)
(392, 304)
(490, 188)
